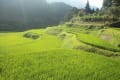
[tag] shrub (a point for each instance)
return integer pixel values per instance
(31, 35)
(69, 24)
(35, 36)
(62, 36)
(118, 45)
(91, 27)
(96, 18)
(27, 35)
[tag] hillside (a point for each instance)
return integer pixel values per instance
(60, 52)
(20, 15)
(59, 65)
(39, 41)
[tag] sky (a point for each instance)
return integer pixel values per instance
(80, 3)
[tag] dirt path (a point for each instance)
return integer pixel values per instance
(106, 37)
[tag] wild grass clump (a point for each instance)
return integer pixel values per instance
(62, 35)
(31, 35)
(118, 45)
(27, 35)
(96, 18)
(69, 24)
(35, 36)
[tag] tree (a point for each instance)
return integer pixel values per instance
(82, 12)
(92, 10)
(116, 2)
(114, 12)
(71, 14)
(112, 8)
(87, 8)
(107, 3)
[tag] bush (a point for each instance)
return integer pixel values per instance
(27, 35)
(91, 27)
(62, 36)
(31, 35)
(69, 24)
(35, 36)
(96, 18)
(118, 45)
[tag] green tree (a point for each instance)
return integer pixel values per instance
(116, 2)
(87, 8)
(114, 12)
(107, 3)
(112, 8)
(82, 12)
(72, 13)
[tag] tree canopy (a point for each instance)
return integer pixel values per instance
(87, 7)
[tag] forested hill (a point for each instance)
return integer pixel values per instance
(18, 15)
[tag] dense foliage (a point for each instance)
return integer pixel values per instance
(87, 7)
(112, 8)
(109, 14)
(107, 3)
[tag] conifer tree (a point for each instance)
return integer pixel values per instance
(87, 8)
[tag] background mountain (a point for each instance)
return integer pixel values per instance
(18, 15)
(77, 3)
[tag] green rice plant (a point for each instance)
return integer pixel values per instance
(96, 42)
(52, 57)
(53, 30)
(59, 64)
(114, 34)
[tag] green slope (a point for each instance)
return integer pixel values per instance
(52, 55)
(97, 42)
(16, 43)
(58, 64)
